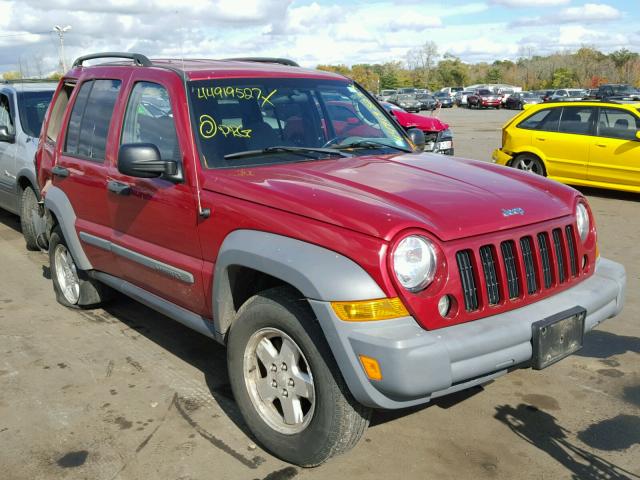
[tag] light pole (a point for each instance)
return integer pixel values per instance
(61, 31)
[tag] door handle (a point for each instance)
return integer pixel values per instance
(541, 139)
(59, 171)
(118, 188)
(602, 145)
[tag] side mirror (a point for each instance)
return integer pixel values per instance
(5, 136)
(417, 138)
(143, 160)
(638, 135)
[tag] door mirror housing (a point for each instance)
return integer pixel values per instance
(6, 136)
(417, 138)
(143, 160)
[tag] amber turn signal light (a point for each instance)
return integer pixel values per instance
(371, 367)
(368, 310)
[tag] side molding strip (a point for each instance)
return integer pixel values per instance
(160, 267)
(189, 319)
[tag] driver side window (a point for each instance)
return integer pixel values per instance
(5, 114)
(149, 119)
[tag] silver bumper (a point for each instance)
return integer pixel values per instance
(418, 365)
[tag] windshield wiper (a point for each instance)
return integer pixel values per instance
(297, 150)
(371, 144)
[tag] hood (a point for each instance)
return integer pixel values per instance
(411, 120)
(383, 195)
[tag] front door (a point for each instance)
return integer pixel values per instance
(155, 220)
(615, 151)
(81, 171)
(7, 156)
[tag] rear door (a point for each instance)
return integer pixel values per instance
(567, 149)
(155, 220)
(81, 172)
(615, 151)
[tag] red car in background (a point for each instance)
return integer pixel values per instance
(438, 135)
(484, 98)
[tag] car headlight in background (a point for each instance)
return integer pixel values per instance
(414, 262)
(582, 221)
(446, 134)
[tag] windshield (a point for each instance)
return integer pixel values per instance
(253, 115)
(528, 95)
(576, 93)
(32, 107)
(485, 92)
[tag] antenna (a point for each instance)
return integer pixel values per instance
(203, 212)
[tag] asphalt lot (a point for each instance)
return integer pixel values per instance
(124, 393)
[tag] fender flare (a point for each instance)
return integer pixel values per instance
(318, 273)
(58, 203)
(31, 178)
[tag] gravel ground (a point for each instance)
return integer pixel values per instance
(124, 393)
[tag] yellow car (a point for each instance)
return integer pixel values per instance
(586, 143)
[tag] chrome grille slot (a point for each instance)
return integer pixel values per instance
(543, 248)
(490, 277)
(573, 260)
(529, 265)
(557, 245)
(470, 292)
(508, 255)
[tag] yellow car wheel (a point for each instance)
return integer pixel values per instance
(529, 163)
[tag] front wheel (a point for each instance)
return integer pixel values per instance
(529, 163)
(287, 384)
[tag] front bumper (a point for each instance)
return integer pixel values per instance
(418, 365)
(500, 157)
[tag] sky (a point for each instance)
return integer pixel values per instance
(311, 32)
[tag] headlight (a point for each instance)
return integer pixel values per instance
(414, 262)
(582, 220)
(446, 134)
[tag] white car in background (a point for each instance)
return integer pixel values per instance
(568, 94)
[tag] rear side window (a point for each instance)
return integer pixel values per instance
(90, 119)
(6, 119)
(576, 120)
(546, 120)
(57, 111)
(617, 123)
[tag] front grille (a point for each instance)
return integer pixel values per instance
(468, 282)
(513, 268)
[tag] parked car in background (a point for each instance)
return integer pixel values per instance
(407, 90)
(438, 135)
(460, 97)
(617, 91)
(545, 95)
(427, 101)
(518, 100)
(451, 91)
(504, 93)
(444, 99)
(23, 104)
(406, 101)
(565, 94)
(483, 98)
(595, 144)
(384, 95)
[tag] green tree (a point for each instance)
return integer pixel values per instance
(11, 75)
(563, 78)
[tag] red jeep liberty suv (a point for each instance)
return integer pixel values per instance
(343, 268)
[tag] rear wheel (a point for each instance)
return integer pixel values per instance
(287, 384)
(72, 287)
(529, 163)
(28, 215)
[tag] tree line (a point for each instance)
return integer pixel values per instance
(424, 67)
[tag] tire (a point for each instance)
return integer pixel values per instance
(529, 163)
(28, 208)
(73, 288)
(328, 420)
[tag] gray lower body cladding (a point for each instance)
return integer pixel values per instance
(418, 365)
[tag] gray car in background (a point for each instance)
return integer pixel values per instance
(23, 105)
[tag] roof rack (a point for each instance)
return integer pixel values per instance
(281, 61)
(138, 59)
(28, 80)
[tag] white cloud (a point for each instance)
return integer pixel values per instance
(529, 3)
(584, 14)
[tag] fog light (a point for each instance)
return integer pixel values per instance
(371, 367)
(444, 304)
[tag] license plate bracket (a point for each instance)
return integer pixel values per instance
(557, 337)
